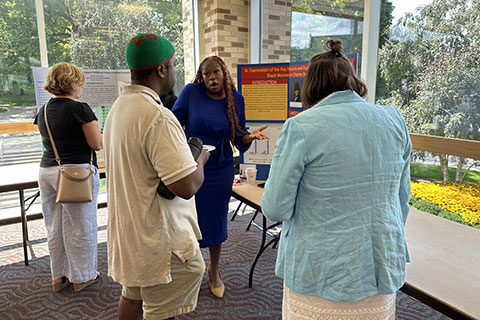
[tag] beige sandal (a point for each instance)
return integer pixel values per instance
(80, 286)
(218, 291)
(58, 286)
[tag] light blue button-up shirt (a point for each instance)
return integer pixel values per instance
(340, 182)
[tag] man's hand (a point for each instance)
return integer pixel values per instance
(203, 157)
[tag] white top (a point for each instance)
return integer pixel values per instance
(144, 143)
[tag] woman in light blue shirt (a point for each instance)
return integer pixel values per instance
(340, 182)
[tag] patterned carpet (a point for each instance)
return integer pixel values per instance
(25, 292)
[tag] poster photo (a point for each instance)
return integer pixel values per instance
(295, 87)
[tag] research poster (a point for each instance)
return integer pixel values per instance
(100, 91)
(271, 91)
(272, 95)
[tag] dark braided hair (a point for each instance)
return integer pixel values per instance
(228, 85)
(330, 72)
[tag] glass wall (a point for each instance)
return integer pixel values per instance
(429, 69)
(93, 34)
(314, 22)
(20, 51)
(89, 33)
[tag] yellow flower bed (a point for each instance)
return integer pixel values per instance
(462, 199)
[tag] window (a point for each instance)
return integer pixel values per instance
(429, 70)
(315, 23)
(88, 33)
(93, 34)
(20, 52)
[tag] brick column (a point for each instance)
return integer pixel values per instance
(188, 50)
(224, 31)
(277, 22)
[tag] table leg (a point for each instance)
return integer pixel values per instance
(236, 211)
(263, 246)
(251, 221)
(260, 251)
(23, 217)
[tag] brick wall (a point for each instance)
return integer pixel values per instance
(224, 31)
(277, 22)
(188, 52)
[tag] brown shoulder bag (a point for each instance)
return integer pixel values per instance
(74, 184)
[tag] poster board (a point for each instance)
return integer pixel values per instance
(272, 95)
(101, 89)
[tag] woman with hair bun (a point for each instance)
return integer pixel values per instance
(211, 108)
(71, 227)
(340, 182)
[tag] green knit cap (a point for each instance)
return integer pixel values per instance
(148, 50)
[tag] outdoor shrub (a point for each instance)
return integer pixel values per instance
(461, 200)
(426, 206)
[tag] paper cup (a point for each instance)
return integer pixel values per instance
(251, 175)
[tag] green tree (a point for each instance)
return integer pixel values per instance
(100, 31)
(386, 18)
(58, 23)
(18, 30)
(88, 33)
(432, 71)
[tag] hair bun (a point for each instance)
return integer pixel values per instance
(335, 46)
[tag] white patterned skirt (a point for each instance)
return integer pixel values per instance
(300, 306)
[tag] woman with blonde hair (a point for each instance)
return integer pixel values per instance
(340, 182)
(211, 109)
(71, 227)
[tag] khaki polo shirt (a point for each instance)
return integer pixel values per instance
(144, 143)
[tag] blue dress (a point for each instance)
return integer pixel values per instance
(207, 119)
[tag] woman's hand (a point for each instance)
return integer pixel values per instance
(257, 134)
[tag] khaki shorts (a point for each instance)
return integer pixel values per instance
(177, 297)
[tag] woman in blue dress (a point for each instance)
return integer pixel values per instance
(211, 109)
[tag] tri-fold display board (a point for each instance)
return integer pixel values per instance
(272, 95)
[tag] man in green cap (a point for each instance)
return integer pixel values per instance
(153, 247)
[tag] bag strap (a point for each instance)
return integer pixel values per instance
(57, 157)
